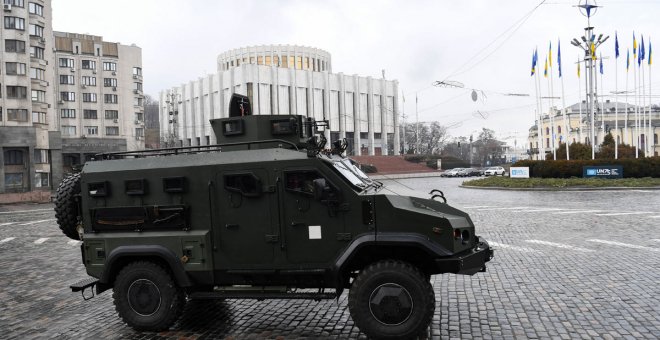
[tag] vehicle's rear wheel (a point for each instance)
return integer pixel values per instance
(146, 297)
(66, 206)
(391, 300)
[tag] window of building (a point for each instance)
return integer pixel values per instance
(66, 62)
(90, 114)
(268, 60)
(306, 63)
(14, 157)
(88, 64)
(298, 63)
(16, 3)
(38, 96)
(15, 23)
(16, 68)
(137, 71)
(68, 130)
(68, 96)
(89, 98)
(41, 179)
(36, 9)
(285, 63)
(110, 82)
(139, 132)
(16, 46)
(111, 114)
(137, 101)
(88, 81)
(17, 92)
(17, 115)
(68, 113)
(39, 117)
(13, 180)
(110, 99)
(67, 79)
(36, 30)
(41, 156)
(112, 130)
(37, 73)
(109, 66)
(92, 130)
(0, 114)
(559, 129)
(137, 86)
(36, 52)
(139, 116)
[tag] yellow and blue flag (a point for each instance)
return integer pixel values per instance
(578, 68)
(545, 70)
(550, 55)
(627, 59)
(601, 63)
(534, 57)
(634, 46)
(650, 52)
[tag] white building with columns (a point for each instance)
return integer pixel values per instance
(286, 79)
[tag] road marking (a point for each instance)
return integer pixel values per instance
(7, 239)
(635, 246)
(626, 213)
(576, 212)
(477, 206)
(6, 223)
(41, 240)
(38, 221)
(507, 246)
(541, 210)
(559, 245)
(73, 242)
(22, 211)
(508, 208)
(657, 216)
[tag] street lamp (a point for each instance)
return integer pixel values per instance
(589, 45)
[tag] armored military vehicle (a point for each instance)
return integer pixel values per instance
(268, 212)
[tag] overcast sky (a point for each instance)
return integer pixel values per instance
(484, 44)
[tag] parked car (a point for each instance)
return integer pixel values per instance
(453, 172)
(495, 171)
(474, 172)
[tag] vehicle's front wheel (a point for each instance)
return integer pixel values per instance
(391, 300)
(146, 297)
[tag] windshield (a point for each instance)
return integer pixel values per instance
(352, 173)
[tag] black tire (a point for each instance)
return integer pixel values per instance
(403, 301)
(146, 297)
(66, 207)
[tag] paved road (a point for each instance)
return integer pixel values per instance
(568, 265)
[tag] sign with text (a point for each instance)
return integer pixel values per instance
(603, 171)
(519, 172)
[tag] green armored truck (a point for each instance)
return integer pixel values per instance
(268, 212)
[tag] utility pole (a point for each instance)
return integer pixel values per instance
(172, 100)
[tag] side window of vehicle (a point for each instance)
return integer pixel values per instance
(247, 184)
(301, 182)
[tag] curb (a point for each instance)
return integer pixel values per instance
(408, 175)
(561, 189)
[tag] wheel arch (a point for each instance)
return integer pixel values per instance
(123, 255)
(407, 247)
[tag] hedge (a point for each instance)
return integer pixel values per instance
(448, 162)
(632, 168)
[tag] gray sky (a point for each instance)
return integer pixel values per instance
(485, 44)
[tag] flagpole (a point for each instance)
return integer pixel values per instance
(651, 135)
(403, 116)
(625, 122)
(416, 126)
(616, 99)
(602, 101)
(552, 110)
(563, 101)
(636, 108)
(540, 136)
(643, 140)
(592, 102)
(580, 103)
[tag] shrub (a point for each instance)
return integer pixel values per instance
(368, 168)
(632, 168)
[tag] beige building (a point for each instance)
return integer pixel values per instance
(63, 98)
(98, 86)
(624, 121)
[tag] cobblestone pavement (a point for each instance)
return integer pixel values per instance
(568, 265)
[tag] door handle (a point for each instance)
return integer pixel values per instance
(294, 223)
(228, 225)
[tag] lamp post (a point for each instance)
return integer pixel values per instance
(589, 45)
(172, 100)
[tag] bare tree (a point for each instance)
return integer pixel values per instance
(432, 138)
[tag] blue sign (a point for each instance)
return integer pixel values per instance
(603, 171)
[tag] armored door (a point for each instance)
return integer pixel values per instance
(245, 234)
(313, 225)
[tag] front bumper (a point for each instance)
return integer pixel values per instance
(469, 262)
